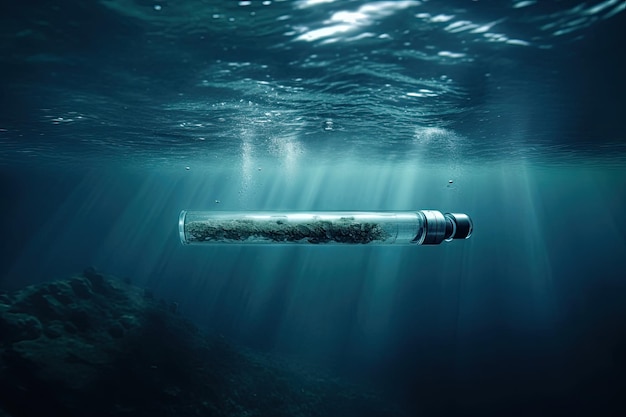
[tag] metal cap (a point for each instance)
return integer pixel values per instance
(464, 226)
(435, 230)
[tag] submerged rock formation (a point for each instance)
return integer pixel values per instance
(98, 346)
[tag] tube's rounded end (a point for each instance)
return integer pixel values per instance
(181, 227)
(464, 225)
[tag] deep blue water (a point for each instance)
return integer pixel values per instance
(115, 115)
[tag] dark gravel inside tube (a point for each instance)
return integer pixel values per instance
(344, 230)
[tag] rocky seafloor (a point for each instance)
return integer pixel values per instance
(93, 345)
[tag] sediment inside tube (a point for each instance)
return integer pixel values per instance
(344, 230)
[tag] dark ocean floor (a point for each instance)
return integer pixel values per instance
(99, 346)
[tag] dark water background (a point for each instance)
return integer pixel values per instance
(104, 105)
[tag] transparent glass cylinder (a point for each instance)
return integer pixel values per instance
(327, 227)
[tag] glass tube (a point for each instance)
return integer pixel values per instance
(322, 227)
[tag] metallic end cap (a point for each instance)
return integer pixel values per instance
(464, 225)
(435, 230)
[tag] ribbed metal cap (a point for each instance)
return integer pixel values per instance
(435, 230)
